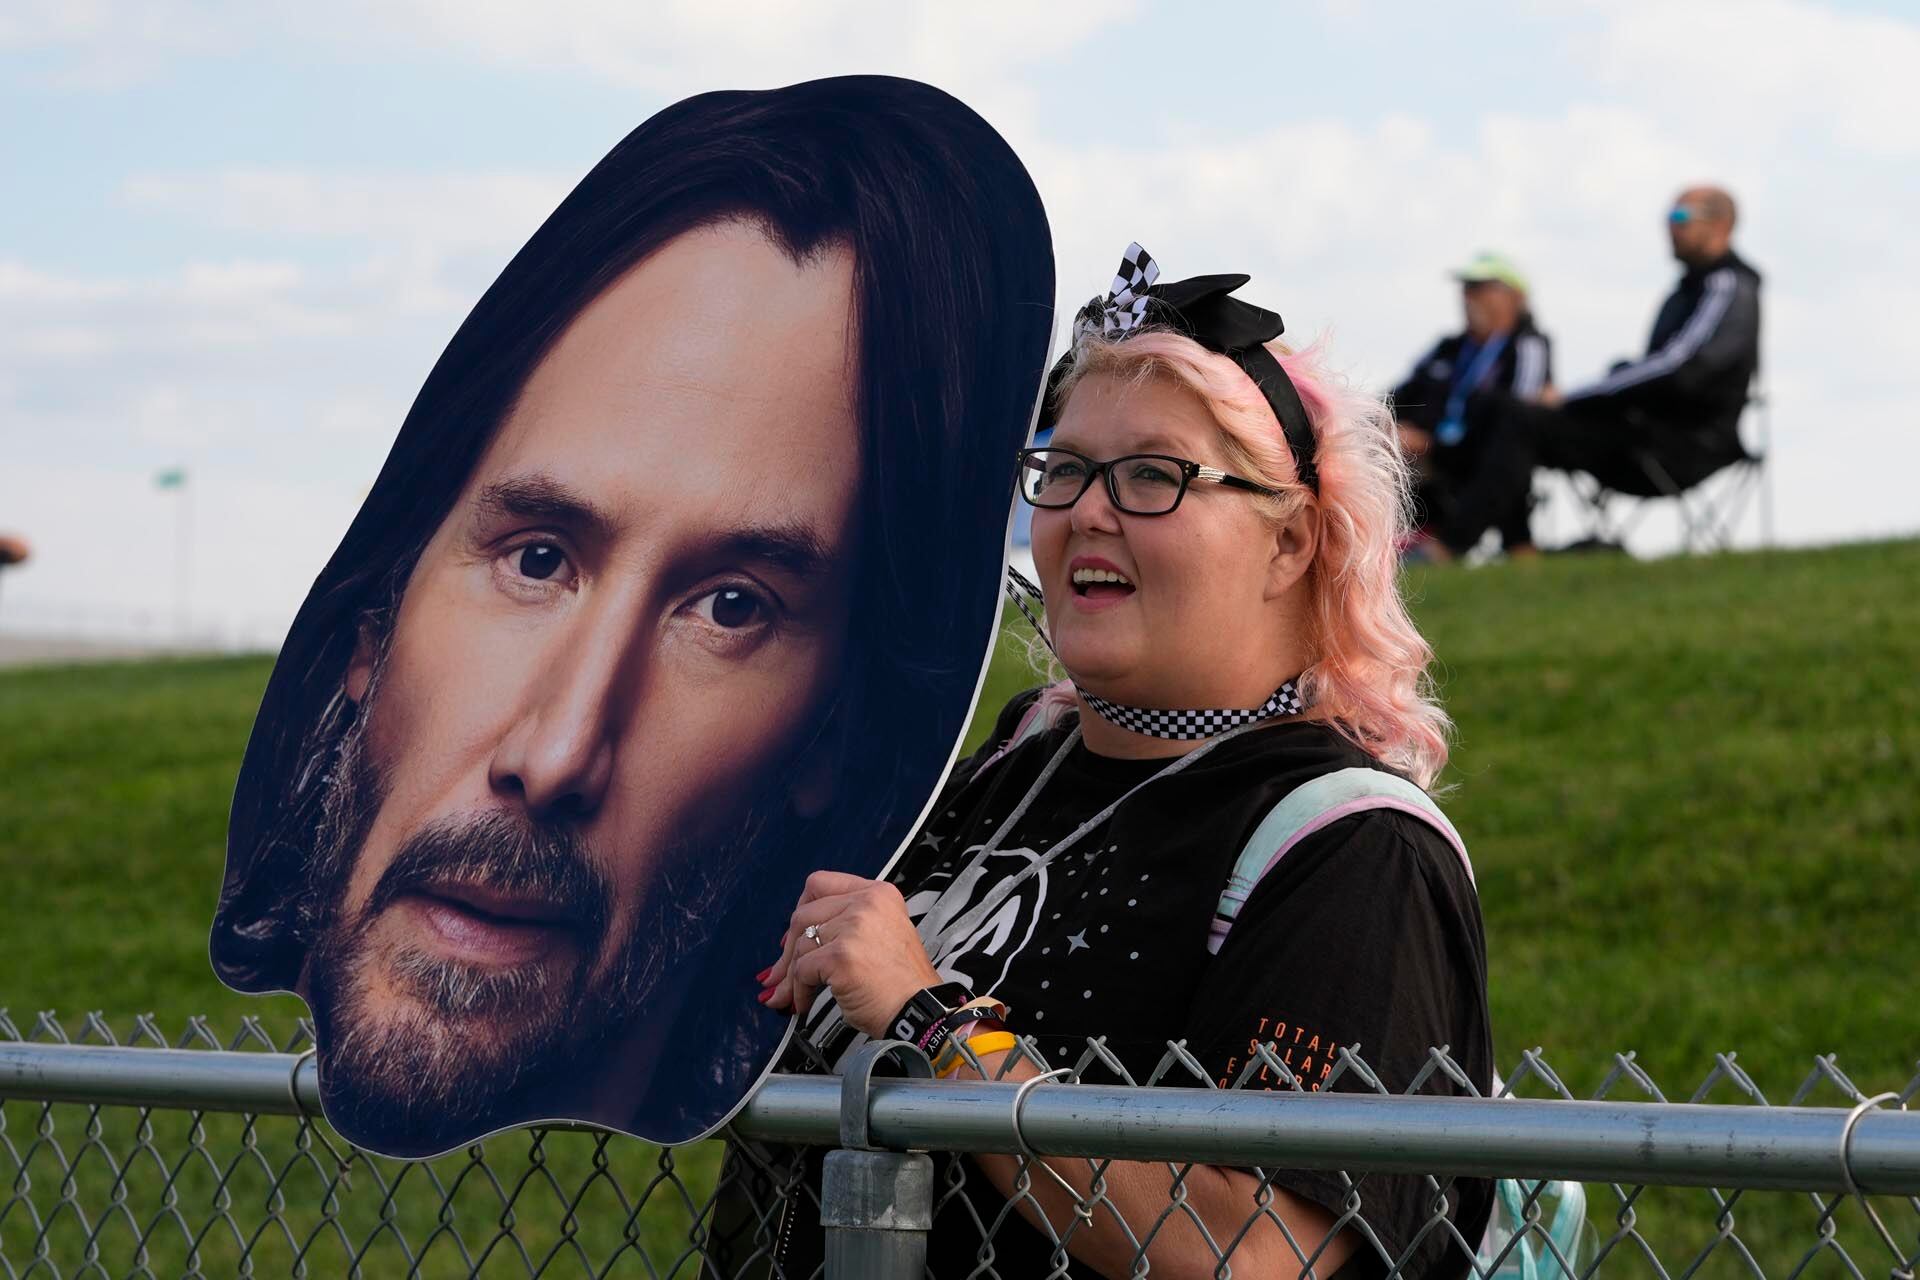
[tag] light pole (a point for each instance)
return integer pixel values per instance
(175, 478)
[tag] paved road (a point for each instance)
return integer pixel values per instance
(25, 650)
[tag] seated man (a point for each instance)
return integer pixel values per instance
(1676, 409)
(1500, 351)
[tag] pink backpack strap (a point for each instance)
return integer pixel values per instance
(1045, 713)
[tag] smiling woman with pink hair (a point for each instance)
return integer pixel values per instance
(1216, 830)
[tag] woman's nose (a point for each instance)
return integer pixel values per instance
(1094, 511)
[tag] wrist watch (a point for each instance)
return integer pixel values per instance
(925, 1010)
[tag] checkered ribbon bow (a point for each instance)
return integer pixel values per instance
(1202, 308)
(1124, 308)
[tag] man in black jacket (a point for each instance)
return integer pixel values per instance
(1673, 415)
(1501, 350)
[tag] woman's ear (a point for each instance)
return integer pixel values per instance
(1294, 546)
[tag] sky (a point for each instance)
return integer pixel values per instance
(234, 237)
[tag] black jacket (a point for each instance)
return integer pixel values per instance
(1524, 367)
(1702, 357)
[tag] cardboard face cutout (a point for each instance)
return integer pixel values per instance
(676, 586)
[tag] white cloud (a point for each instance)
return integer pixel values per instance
(407, 233)
(672, 48)
(199, 305)
(109, 44)
(239, 281)
(450, 212)
(1755, 68)
(985, 52)
(66, 342)
(20, 283)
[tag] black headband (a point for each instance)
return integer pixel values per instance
(1201, 309)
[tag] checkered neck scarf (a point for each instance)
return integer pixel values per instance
(1155, 722)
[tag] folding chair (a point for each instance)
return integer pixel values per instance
(1710, 511)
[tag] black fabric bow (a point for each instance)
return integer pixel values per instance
(1202, 309)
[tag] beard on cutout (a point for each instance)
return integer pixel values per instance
(467, 1049)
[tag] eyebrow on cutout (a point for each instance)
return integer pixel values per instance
(787, 545)
(792, 546)
(541, 497)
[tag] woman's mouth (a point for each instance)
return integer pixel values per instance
(1100, 587)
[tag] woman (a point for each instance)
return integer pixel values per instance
(1214, 527)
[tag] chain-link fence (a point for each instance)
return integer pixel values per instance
(142, 1161)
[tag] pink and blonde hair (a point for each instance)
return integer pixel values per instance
(1368, 676)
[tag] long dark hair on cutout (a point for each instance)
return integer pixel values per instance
(954, 281)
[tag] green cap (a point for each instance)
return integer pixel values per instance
(1491, 266)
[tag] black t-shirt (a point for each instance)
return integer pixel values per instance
(1366, 936)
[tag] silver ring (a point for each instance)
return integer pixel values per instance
(812, 934)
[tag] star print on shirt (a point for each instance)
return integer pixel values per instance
(1077, 941)
(930, 840)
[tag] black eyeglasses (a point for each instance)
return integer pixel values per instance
(1140, 484)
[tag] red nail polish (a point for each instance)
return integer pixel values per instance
(761, 977)
(765, 996)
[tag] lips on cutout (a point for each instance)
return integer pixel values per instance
(512, 907)
(475, 936)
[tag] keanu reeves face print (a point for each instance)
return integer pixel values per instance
(674, 588)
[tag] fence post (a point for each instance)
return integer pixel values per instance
(876, 1205)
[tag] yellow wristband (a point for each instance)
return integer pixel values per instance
(949, 1054)
(980, 1046)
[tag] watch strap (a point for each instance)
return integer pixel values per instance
(926, 1008)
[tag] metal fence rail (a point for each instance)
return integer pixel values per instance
(193, 1156)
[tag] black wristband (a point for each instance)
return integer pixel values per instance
(925, 1008)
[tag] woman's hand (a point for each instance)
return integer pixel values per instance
(865, 951)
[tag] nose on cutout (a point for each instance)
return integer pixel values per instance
(558, 759)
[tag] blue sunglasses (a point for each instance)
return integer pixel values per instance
(1680, 215)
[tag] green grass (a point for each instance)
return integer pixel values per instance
(1688, 786)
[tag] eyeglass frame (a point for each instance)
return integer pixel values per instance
(1188, 469)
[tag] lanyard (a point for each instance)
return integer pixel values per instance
(826, 1021)
(1465, 383)
(970, 920)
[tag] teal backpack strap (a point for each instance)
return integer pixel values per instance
(1310, 807)
(1510, 1226)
